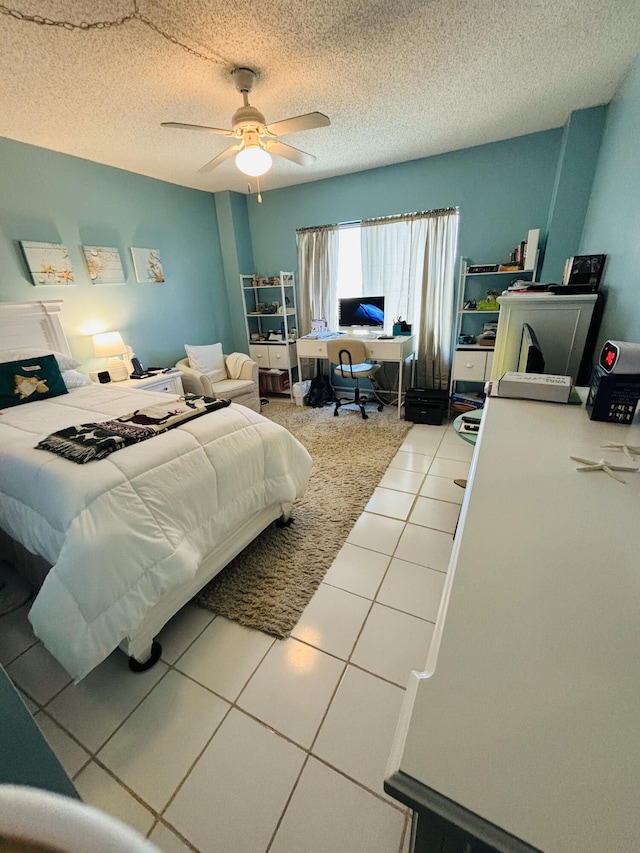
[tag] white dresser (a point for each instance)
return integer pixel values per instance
(523, 731)
(561, 324)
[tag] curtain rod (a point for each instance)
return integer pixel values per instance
(397, 216)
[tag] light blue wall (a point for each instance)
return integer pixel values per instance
(502, 190)
(52, 197)
(237, 257)
(612, 224)
(581, 142)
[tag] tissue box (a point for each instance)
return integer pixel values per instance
(535, 386)
(405, 329)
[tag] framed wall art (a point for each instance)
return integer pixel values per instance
(584, 270)
(103, 265)
(48, 263)
(147, 266)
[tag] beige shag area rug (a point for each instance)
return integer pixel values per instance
(269, 584)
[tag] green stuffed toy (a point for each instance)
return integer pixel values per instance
(490, 303)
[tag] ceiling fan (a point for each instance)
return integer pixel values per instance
(257, 140)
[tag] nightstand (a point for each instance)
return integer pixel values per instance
(167, 383)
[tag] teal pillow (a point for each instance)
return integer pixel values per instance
(30, 379)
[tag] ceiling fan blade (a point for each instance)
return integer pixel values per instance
(309, 121)
(289, 153)
(181, 126)
(220, 158)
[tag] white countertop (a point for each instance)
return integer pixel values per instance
(529, 714)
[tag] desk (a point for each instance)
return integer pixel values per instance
(523, 730)
(397, 349)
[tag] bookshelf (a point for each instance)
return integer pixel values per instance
(473, 361)
(271, 321)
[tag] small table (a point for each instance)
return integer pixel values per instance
(471, 437)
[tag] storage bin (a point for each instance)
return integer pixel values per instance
(274, 382)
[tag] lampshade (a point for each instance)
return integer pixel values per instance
(108, 344)
(253, 161)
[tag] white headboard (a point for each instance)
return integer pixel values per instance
(32, 324)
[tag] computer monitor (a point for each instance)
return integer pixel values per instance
(367, 311)
(530, 359)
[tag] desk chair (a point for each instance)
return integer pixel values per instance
(350, 358)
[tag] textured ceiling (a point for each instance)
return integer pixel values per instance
(399, 79)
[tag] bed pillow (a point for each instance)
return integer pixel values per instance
(29, 380)
(75, 379)
(208, 360)
(65, 362)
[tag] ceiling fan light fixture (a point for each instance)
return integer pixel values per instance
(253, 161)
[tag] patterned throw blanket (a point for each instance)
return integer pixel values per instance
(87, 442)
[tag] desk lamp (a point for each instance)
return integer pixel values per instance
(110, 345)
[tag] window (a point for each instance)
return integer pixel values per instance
(409, 259)
(349, 261)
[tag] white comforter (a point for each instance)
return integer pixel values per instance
(123, 531)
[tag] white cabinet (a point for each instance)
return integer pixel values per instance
(560, 323)
(272, 356)
(472, 365)
(271, 322)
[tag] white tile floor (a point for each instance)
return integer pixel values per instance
(236, 742)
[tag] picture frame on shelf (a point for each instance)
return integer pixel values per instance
(147, 266)
(104, 265)
(48, 263)
(584, 270)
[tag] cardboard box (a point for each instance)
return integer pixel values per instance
(273, 381)
(535, 386)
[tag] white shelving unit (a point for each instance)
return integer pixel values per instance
(471, 361)
(272, 336)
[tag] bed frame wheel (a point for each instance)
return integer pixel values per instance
(136, 666)
(284, 522)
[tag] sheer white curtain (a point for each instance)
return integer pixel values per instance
(435, 314)
(318, 275)
(410, 261)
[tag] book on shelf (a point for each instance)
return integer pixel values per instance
(467, 401)
(480, 268)
(531, 249)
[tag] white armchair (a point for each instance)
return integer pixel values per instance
(236, 381)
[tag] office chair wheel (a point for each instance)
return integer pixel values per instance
(380, 407)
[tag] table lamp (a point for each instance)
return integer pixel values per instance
(110, 345)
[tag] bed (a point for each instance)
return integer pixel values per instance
(131, 538)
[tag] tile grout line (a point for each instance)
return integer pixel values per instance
(158, 816)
